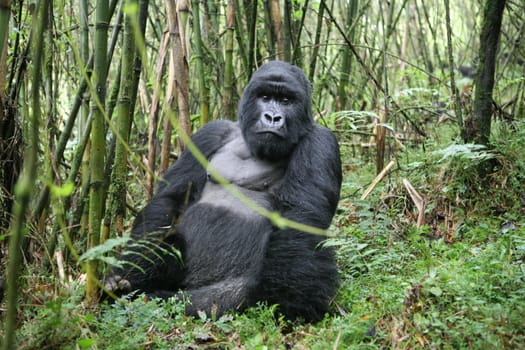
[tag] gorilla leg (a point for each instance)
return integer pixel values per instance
(229, 294)
(299, 275)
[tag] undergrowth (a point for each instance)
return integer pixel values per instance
(456, 282)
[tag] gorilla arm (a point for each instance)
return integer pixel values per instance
(312, 183)
(180, 186)
(298, 273)
(183, 182)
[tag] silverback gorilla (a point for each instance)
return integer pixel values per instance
(232, 257)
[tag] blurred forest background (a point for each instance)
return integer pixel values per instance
(426, 99)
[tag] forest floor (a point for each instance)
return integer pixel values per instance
(455, 282)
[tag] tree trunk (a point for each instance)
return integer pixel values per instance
(275, 13)
(287, 31)
(453, 87)
(346, 62)
(10, 135)
(477, 126)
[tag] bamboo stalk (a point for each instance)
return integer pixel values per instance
(251, 20)
(317, 40)
(346, 60)
(204, 106)
(26, 182)
(125, 116)
(453, 87)
(239, 38)
(98, 145)
(5, 15)
(227, 96)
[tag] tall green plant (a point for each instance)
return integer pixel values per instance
(346, 61)
(26, 183)
(227, 96)
(84, 109)
(317, 40)
(7, 123)
(98, 144)
(5, 14)
(124, 115)
(204, 106)
(455, 92)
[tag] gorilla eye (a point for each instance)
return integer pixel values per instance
(265, 98)
(285, 100)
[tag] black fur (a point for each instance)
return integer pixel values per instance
(232, 257)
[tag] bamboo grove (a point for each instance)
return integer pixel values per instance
(96, 94)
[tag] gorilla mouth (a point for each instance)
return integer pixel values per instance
(276, 132)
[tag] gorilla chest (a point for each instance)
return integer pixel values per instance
(238, 166)
(254, 178)
(222, 232)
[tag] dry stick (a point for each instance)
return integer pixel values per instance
(378, 178)
(60, 264)
(418, 201)
(153, 118)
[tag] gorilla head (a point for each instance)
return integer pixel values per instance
(275, 111)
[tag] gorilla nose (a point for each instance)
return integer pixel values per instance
(272, 120)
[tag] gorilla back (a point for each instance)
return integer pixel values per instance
(232, 257)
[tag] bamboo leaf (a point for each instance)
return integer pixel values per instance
(99, 251)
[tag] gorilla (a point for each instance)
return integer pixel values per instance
(231, 256)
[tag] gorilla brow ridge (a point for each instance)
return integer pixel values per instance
(277, 88)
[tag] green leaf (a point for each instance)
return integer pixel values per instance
(85, 343)
(465, 151)
(99, 251)
(436, 291)
(62, 191)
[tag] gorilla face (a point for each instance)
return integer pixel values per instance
(275, 111)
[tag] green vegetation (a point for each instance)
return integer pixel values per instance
(95, 102)
(454, 283)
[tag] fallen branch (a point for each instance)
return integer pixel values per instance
(378, 178)
(418, 201)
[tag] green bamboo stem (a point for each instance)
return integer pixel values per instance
(26, 182)
(98, 145)
(124, 115)
(204, 105)
(227, 101)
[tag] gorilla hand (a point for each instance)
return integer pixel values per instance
(117, 285)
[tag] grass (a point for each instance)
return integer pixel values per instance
(455, 283)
